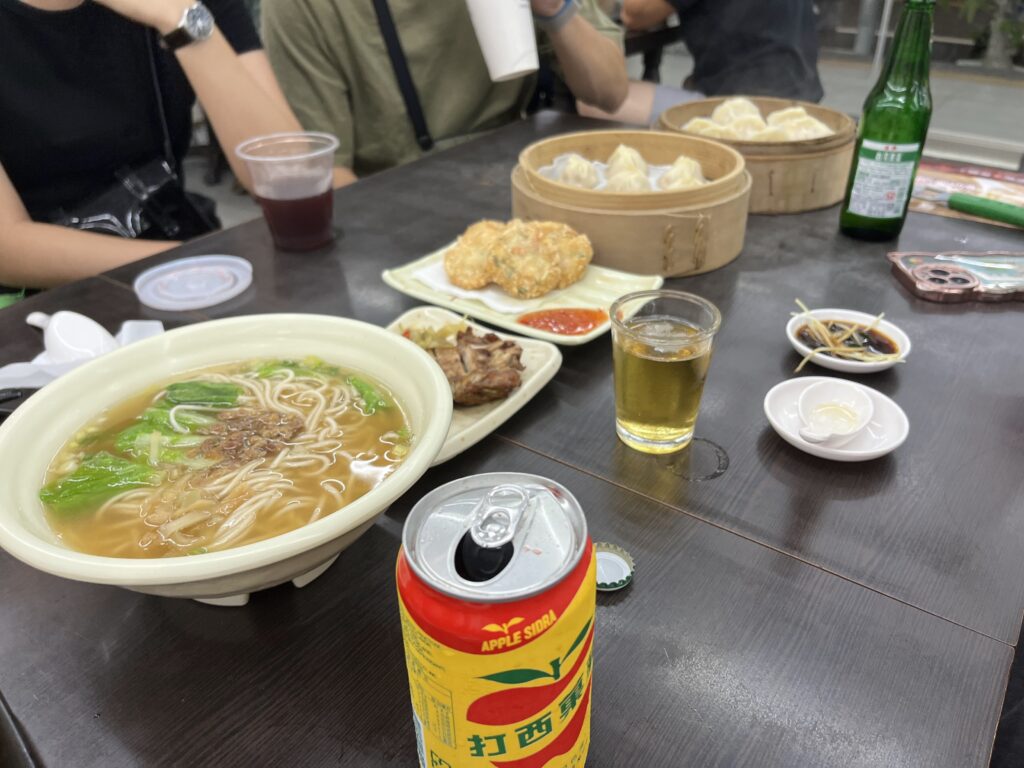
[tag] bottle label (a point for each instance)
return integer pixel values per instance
(885, 172)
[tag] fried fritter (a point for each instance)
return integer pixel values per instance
(468, 263)
(572, 250)
(525, 259)
(524, 267)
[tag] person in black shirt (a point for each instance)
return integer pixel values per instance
(78, 102)
(749, 47)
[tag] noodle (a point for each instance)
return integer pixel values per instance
(295, 443)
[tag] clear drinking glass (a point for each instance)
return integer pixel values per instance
(292, 175)
(661, 346)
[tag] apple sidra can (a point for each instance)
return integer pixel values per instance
(496, 587)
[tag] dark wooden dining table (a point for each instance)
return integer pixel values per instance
(786, 610)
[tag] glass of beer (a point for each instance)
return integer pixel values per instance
(661, 345)
(292, 175)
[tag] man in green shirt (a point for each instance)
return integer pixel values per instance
(331, 61)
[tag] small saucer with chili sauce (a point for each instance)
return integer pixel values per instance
(876, 337)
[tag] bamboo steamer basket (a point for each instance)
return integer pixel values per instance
(722, 166)
(686, 240)
(789, 176)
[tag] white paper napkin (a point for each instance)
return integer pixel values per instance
(434, 276)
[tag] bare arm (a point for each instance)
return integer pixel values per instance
(593, 66)
(239, 94)
(36, 255)
(644, 14)
(636, 109)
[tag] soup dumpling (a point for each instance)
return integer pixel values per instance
(731, 109)
(626, 159)
(727, 132)
(579, 172)
(789, 114)
(747, 125)
(701, 126)
(685, 173)
(771, 133)
(806, 128)
(629, 181)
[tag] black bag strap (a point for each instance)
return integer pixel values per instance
(401, 67)
(168, 147)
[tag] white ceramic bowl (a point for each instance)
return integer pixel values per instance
(33, 434)
(838, 364)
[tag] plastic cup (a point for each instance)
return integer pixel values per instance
(504, 29)
(292, 175)
(661, 349)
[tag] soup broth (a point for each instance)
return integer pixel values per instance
(222, 457)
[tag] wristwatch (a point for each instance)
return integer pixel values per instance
(196, 24)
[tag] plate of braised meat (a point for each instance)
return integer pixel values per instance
(492, 375)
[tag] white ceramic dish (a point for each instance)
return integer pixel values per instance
(885, 432)
(472, 424)
(848, 366)
(599, 287)
(34, 433)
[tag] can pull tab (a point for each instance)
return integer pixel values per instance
(496, 517)
(486, 548)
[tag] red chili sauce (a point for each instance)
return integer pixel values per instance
(565, 322)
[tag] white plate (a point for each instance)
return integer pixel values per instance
(885, 432)
(599, 287)
(471, 424)
(838, 364)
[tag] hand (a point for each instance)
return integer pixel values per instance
(162, 15)
(546, 7)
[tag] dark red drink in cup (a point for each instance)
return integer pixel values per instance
(300, 223)
(292, 176)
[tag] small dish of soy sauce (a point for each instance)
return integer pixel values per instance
(846, 340)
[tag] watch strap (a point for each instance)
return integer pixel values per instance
(176, 38)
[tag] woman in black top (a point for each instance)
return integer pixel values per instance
(78, 102)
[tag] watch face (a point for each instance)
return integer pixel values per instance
(199, 22)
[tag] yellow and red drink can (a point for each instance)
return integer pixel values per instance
(496, 588)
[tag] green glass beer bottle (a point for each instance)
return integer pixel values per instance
(892, 132)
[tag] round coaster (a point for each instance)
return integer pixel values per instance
(614, 567)
(193, 283)
(701, 460)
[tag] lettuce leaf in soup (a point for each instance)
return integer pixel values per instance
(213, 393)
(97, 479)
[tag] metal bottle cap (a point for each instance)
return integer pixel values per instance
(614, 567)
(541, 519)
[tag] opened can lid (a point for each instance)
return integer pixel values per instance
(193, 283)
(528, 533)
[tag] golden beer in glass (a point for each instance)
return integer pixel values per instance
(661, 347)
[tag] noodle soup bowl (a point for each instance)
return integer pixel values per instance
(33, 435)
